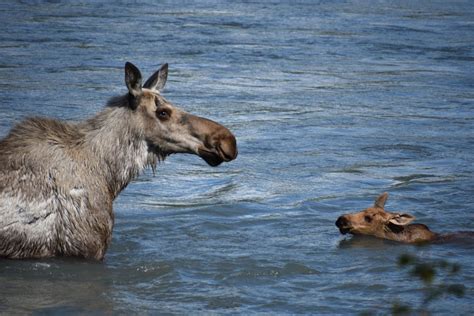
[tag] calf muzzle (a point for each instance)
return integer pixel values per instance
(343, 224)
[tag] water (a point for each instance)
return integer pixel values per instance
(332, 103)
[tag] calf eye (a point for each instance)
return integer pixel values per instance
(367, 218)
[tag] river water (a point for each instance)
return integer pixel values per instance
(332, 103)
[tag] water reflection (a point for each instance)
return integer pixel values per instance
(54, 286)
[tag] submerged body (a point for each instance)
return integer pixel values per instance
(375, 221)
(59, 180)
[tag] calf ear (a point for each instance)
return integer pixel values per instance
(401, 219)
(133, 79)
(380, 202)
(157, 81)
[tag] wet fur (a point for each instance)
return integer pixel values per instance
(59, 181)
(392, 226)
(412, 233)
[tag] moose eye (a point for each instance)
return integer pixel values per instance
(367, 218)
(163, 114)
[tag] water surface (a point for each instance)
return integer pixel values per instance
(332, 103)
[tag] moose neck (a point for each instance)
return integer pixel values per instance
(114, 136)
(413, 233)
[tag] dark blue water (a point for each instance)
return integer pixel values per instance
(332, 103)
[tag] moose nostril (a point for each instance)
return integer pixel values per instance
(226, 156)
(228, 148)
(341, 221)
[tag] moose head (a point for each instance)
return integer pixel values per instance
(168, 129)
(373, 221)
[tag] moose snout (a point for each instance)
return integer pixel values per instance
(341, 221)
(218, 143)
(227, 147)
(343, 224)
(222, 147)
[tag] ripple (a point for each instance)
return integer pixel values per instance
(331, 102)
(399, 151)
(423, 179)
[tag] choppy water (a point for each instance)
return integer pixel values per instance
(332, 103)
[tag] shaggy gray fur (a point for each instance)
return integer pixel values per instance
(59, 180)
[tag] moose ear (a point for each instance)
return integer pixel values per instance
(380, 202)
(401, 219)
(133, 79)
(157, 81)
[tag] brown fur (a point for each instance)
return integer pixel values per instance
(375, 221)
(59, 179)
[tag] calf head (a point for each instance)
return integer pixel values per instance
(168, 129)
(373, 221)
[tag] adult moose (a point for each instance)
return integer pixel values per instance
(59, 180)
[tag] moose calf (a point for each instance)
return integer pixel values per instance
(375, 221)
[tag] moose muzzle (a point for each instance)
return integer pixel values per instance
(218, 144)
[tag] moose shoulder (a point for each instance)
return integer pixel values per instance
(59, 179)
